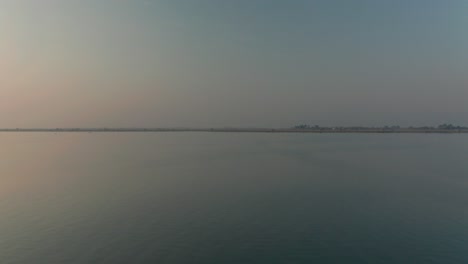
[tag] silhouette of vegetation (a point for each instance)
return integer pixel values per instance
(393, 128)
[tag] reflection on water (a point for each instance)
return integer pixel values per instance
(233, 198)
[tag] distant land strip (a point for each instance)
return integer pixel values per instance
(247, 130)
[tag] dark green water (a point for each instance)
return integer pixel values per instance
(233, 198)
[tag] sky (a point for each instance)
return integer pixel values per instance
(244, 63)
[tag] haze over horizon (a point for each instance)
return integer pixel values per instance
(207, 63)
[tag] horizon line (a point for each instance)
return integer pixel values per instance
(297, 129)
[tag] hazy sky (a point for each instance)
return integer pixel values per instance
(233, 63)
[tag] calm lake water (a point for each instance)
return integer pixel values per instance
(233, 198)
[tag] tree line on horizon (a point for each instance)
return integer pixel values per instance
(444, 126)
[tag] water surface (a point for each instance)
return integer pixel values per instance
(233, 198)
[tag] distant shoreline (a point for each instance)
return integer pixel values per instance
(242, 130)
